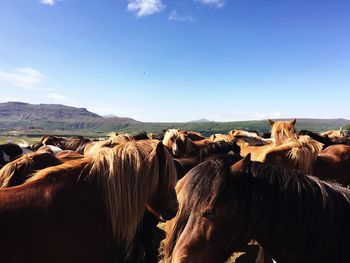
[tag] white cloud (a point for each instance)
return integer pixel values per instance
(174, 16)
(214, 3)
(264, 115)
(27, 78)
(48, 2)
(56, 96)
(145, 7)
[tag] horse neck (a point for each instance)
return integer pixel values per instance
(280, 216)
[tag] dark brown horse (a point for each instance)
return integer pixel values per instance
(296, 218)
(75, 144)
(78, 211)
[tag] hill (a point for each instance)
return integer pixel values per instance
(19, 115)
(56, 118)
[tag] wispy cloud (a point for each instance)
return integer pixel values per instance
(31, 79)
(27, 78)
(145, 7)
(264, 115)
(48, 2)
(214, 3)
(56, 96)
(175, 16)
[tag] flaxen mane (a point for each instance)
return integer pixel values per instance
(207, 181)
(127, 177)
(172, 135)
(302, 152)
(110, 143)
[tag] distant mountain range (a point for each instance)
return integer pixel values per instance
(58, 118)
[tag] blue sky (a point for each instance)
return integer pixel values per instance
(162, 60)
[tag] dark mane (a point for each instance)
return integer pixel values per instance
(252, 141)
(206, 183)
(325, 140)
(305, 209)
(141, 136)
(217, 148)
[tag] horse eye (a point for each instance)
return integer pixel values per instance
(208, 213)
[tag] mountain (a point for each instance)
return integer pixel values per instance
(19, 115)
(200, 120)
(38, 118)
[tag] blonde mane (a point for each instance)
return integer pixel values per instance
(172, 134)
(302, 153)
(127, 176)
(283, 131)
(113, 140)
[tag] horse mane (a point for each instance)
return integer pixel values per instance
(199, 195)
(111, 142)
(172, 133)
(302, 152)
(126, 177)
(251, 141)
(218, 147)
(21, 169)
(141, 136)
(75, 144)
(282, 131)
(303, 206)
(322, 139)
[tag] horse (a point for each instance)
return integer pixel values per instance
(216, 150)
(333, 163)
(75, 144)
(296, 218)
(78, 211)
(289, 149)
(19, 170)
(180, 145)
(10, 151)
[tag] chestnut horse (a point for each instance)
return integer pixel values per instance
(76, 211)
(333, 163)
(296, 218)
(19, 170)
(180, 145)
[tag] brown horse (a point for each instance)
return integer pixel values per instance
(180, 145)
(288, 149)
(296, 218)
(75, 144)
(72, 212)
(19, 170)
(333, 163)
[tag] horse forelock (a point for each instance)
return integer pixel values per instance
(126, 177)
(205, 184)
(281, 131)
(172, 134)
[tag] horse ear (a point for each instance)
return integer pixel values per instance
(293, 122)
(271, 122)
(241, 165)
(160, 153)
(247, 159)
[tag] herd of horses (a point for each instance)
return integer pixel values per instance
(77, 200)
